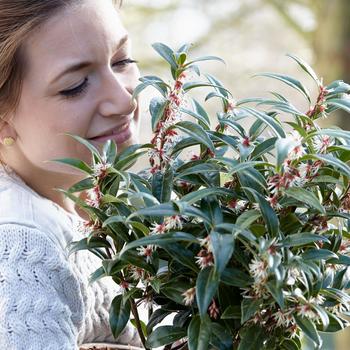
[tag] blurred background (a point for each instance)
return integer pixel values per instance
(252, 36)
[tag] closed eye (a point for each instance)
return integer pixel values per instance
(80, 89)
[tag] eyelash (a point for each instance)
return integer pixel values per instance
(84, 85)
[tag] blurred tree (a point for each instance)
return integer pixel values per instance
(329, 39)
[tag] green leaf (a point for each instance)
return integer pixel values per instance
(195, 131)
(193, 197)
(109, 151)
(303, 238)
(341, 103)
(165, 335)
(199, 333)
(205, 58)
(203, 168)
(86, 243)
(292, 82)
(96, 275)
(252, 338)
(283, 147)
(289, 344)
(235, 277)
(319, 254)
(306, 197)
(174, 289)
(220, 338)
(206, 287)
(338, 164)
(143, 326)
(232, 312)
(248, 308)
(223, 246)
(94, 151)
(277, 293)
(218, 85)
(248, 217)
(161, 240)
(119, 315)
(309, 329)
(268, 214)
(167, 53)
(263, 148)
(82, 185)
(306, 67)
(205, 124)
(156, 318)
(157, 107)
(271, 122)
(75, 163)
(162, 185)
(194, 84)
(199, 110)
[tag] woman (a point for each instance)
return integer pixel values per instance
(65, 66)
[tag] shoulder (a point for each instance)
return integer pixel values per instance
(22, 207)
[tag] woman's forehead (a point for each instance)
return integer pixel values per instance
(89, 31)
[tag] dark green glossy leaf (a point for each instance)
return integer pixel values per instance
(206, 287)
(309, 329)
(119, 315)
(199, 333)
(165, 335)
(223, 246)
(267, 212)
(292, 82)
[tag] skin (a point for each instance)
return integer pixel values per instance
(89, 31)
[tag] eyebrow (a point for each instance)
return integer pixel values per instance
(78, 66)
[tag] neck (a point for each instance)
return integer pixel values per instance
(46, 183)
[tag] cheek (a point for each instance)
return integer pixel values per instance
(43, 136)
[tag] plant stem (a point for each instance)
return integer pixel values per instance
(137, 321)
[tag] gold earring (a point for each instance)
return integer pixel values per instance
(9, 141)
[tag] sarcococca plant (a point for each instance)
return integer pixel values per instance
(245, 241)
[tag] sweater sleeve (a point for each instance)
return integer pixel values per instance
(39, 302)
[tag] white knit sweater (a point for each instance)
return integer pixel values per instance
(45, 299)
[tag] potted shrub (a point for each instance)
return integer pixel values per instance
(245, 242)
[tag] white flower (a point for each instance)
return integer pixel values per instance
(204, 259)
(137, 273)
(205, 242)
(274, 202)
(292, 275)
(95, 196)
(258, 270)
(322, 142)
(84, 227)
(318, 299)
(283, 319)
(189, 295)
(158, 229)
(100, 169)
(146, 251)
(339, 309)
(306, 311)
(297, 150)
(237, 205)
(173, 222)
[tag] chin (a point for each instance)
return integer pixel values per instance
(133, 140)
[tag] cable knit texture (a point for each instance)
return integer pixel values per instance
(45, 299)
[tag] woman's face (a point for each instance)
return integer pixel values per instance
(79, 79)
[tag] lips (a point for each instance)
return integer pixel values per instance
(115, 130)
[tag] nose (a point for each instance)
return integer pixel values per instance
(115, 96)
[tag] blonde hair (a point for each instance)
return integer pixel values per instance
(18, 19)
